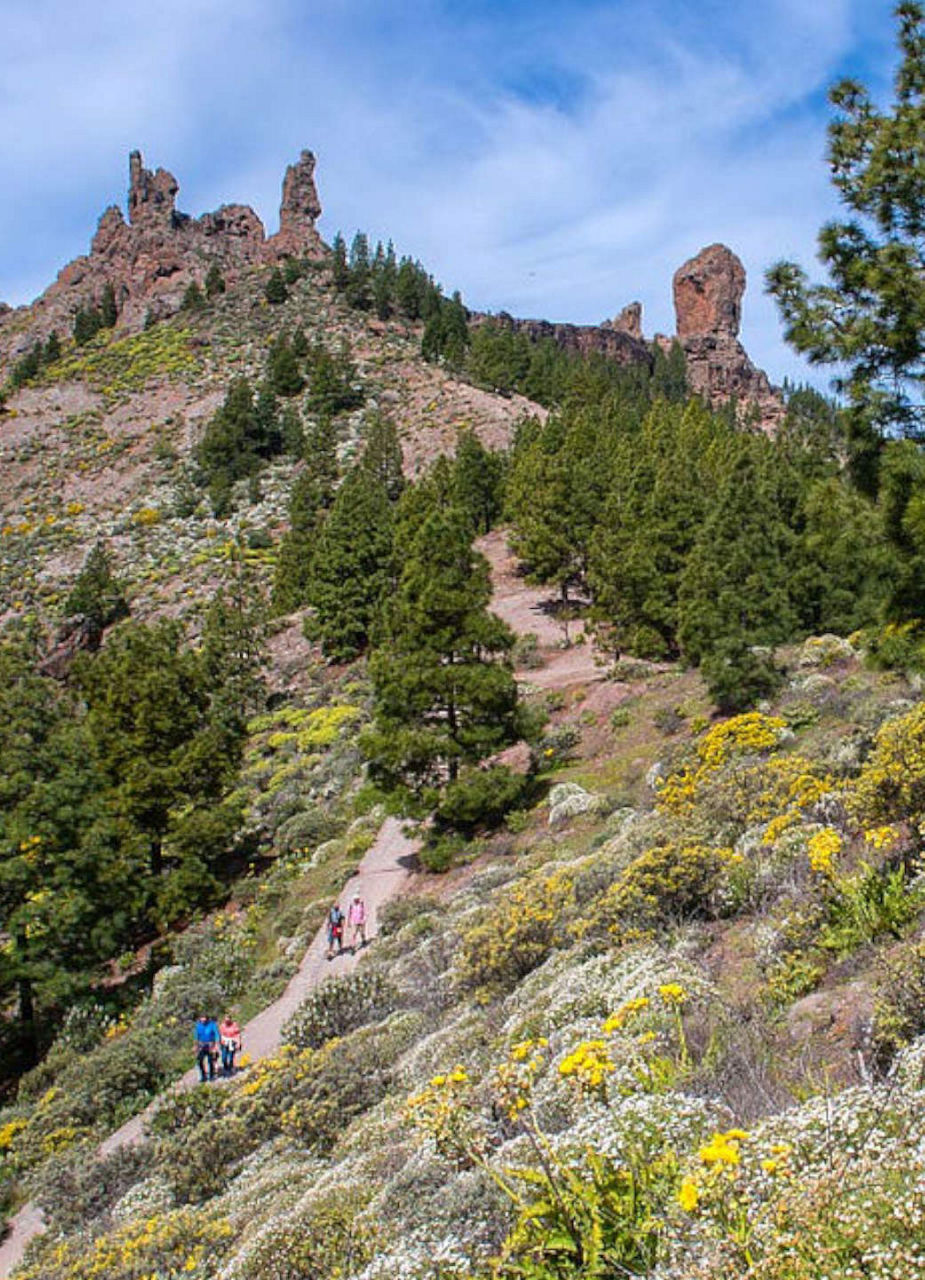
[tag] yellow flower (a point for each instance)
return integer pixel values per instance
(672, 993)
(723, 1148)
(769, 1166)
(626, 1011)
(823, 848)
(688, 1196)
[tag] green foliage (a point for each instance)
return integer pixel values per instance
(382, 455)
(193, 299)
(479, 798)
(868, 316)
(283, 368)
(478, 481)
(292, 580)
(97, 594)
(275, 290)
(338, 1006)
(214, 282)
(326, 1241)
(333, 386)
(444, 692)
(168, 758)
(239, 437)
(351, 566)
(665, 885)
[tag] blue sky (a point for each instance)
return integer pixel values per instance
(558, 158)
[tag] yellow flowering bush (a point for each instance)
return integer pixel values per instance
(743, 735)
(184, 1242)
(891, 785)
(669, 883)
(516, 936)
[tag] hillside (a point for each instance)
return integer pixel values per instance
(296, 550)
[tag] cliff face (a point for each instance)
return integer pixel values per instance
(708, 291)
(152, 258)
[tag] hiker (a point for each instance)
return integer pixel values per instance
(335, 930)
(230, 1037)
(206, 1046)
(356, 916)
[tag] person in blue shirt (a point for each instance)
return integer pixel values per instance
(207, 1039)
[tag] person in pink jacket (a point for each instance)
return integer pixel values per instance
(356, 918)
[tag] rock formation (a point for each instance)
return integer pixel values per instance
(151, 259)
(299, 211)
(615, 341)
(708, 291)
(628, 321)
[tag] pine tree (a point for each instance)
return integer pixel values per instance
(227, 451)
(87, 323)
(214, 281)
(292, 580)
(283, 368)
(299, 344)
(52, 350)
(478, 481)
(340, 271)
(444, 692)
(382, 455)
(169, 766)
(97, 595)
(292, 431)
(868, 315)
(669, 374)
(109, 312)
(408, 289)
(359, 286)
(233, 638)
(734, 591)
(276, 291)
(68, 888)
(193, 299)
(267, 435)
(351, 568)
(321, 457)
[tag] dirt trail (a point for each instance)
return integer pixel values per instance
(525, 609)
(379, 877)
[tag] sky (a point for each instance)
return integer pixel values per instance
(552, 158)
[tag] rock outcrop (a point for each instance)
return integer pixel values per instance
(151, 259)
(610, 339)
(708, 292)
(299, 211)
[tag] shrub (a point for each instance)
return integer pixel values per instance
(515, 936)
(664, 885)
(737, 676)
(891, 785)
(161, 1246)
(398, 912)
(899, 1003)
(77, 1190)
(326, 1241)
(480, 797)
(525, 655)
(340, 1005)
